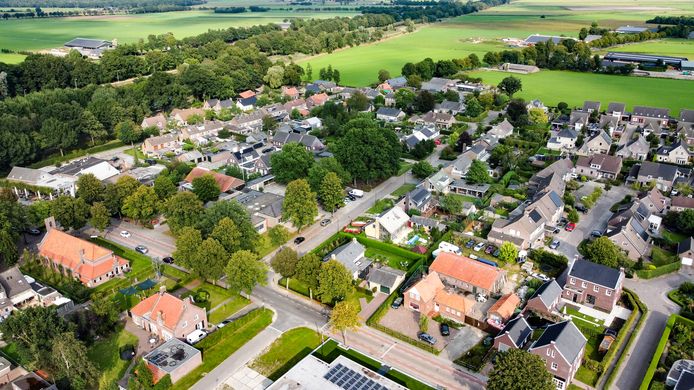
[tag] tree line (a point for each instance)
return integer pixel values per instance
(430, 11)
(97, 3)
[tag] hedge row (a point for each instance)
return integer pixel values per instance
(368, 242)
(671, 322)
(632, 339)
(214, 337)
(660, 271)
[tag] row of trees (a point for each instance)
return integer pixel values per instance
(427, 68)
(431, 11)
(97, 3)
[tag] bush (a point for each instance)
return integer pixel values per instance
(659, 271)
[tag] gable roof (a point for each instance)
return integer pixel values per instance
(162, 305)
(687, 115)
(385, 276)
(224, 182)
(667, 149)
(518, 330)
(389, 111)
(595, 273)
(548, 292)
(606, 162)
(428, 286)
(686, 245)
(651, 112)
(616, 107)
(393, 219)
(591, 105)
(567, 338)
(351, 256)
(462, 268)
(505, 306)
(683, 202)
(665, 171)
(13, 282)
(454, 301)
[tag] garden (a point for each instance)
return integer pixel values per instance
(677, 342)
(285, 352)
(105, 354)
(684, 296)
(219, 302)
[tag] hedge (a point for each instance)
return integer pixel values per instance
(660, 271)
(214, 337)
(642, 320)
(402, 252)
(612, 352)
(671, 322)
(673, 297)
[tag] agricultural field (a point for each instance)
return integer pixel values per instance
(573, 88)
(667, 47)
(36, 34)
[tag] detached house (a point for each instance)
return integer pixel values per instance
(440, 120)
(449, 107)
(636, 149)
(89, 263)
(158, 121)
(390, 114)
(429, 297)
(590, 107)
(664, 175)
(593, 284)
(468, 275)
(598, 166)
(610, 124)
(246, 104)
(677, 153)
(419, 199)
(561, 346)
(616, 109)
(600, 143)
(181, 116)
(685, 251)
(389, 226)
(565, 139)
(225, 183)
(351, 255)
(162, 143)
(502, 130)
(578, 120)
(641, 114)
(167, 316)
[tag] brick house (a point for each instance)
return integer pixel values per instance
(173, 358)
(514, 335)
(152, 145)
(594, 284)
(468, 275)
(642, 114)
(225, 183)
(429, 297)
(89, 263)
(503, 309)
(546, 301)
(561, 346)
(167, 316)
(600, 143)
(598, 166)
(677, 153)
(681, 203)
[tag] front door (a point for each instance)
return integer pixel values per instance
(575, 298)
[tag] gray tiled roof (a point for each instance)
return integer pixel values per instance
(567, 337)
(385, 276)
(595, 273)
(548, 292)
(518, 330)
(348, 254)
(13, 282)
(616, 107)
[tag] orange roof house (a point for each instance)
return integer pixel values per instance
(168, 316)
(247, 94)
(88, 262)
(225, 183)
(290, 92)
(467, 274)
(503, 309)
(317, 100)
(429, 297)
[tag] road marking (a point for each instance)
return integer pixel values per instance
(388, 350)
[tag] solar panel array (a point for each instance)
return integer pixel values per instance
(349, 379)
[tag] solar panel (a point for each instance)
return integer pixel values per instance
(349, 379)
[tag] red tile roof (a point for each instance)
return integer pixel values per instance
(318, 99)
(467, 270)
(224, 182)
(158, 305)
(454, 301)
(428, 287)
(505, 306)
(247, 94)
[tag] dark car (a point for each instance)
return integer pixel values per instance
(141, 249)
(490, 249)
(596, 234)
(470, 244)
(426, 337)
(168, 260)
(445, 330)
(396, 303)
(34, 231)
(150, 161)
(496, 253)
(582, 208)
(299, 240)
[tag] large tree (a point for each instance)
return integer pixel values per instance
(422, 169)
(478, 173)
(285, 262)
(300, 206)
(368, 152)
(69, 356)
(181, 210)
(603, 251)
(141, 205)
(510, 85)
(69, 212)
(517, 369)
(334, 282)
(115, 194)
(206, 188)
(451, 203)
(187, 246)
(307, 271)
(210, 260)
(332, 194)
(99, 216)
(291, 163)
(164, 187)
(344, 316)
(244, 271)
(238, 213)
(508, 252)
(227, 234)
(89, 188)
(321, 168)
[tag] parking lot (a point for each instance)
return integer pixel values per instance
(406, 321)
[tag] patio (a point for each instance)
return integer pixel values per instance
(606, 318)
(144, 345)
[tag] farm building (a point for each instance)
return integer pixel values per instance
(645, 58)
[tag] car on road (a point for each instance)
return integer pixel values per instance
(168, 260)
(426, 337)
(141, 249)
(196, 336)
(581, 208)
(470, 244)
(325, 222)
(596, 234)
(554, 244)
(34, 231)
(570, 227)
(125, 234)
(478, 247)
(299, 240)
(445, 330)
(396, 303)
(223, 323)
(490, 249)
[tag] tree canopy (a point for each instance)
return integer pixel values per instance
(291, 163)
(517, 369)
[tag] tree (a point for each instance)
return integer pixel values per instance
(291, 163)
(244, 271)
(181, 210)
(141, 205)
(422, 169)
(69, 212)
(128, 132)
(510, 85)
(164, 187)
(227, 234)
(238, 213)
(478, 173)
(538, 116)
(345, 316)
(684, 189)
(583, 33)
(573, 216)
(278, 235)
(274, 76)
(358, 102)
(383, 75)
(307, 270)
(284, 262)
(300, 206)
(309, 72)
(404, 98)
(332, 194)
(321, 168)
(517, 112)
(100, 217)
(269, 124)
(187, 246)
(91, 126)
(508, 252)
(517, 369)
(368, 152)
(334, 282)
(70, 359)
(89, 188)
(336, 76)
(8, 248)
(473, 108)
(450, 203)
(211, 258)
(206, 188)
(603, 251)
(115, 194)
(424, 101)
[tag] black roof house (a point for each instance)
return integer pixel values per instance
(87, 43)
(595, 273)
(518, 330)
(567, 338)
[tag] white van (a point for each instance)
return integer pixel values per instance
(196, 336)
(357, 193)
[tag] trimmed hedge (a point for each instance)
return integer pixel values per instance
(671, 322)
(660, 271)
(612, 352)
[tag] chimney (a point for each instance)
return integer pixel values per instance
(50, 223)
(162, 290)
(354, 239)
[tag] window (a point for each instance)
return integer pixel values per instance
(573, 281)
(555, 366)
(608, 292)
(552, 353)
(584, 284)
(596, 288)
(547, 351)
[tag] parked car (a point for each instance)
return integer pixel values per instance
(356, 192)
(34, 231)
(490, 249)
(478, 247)
(325, 222)
(581, 208)
(496, 253)
(299, 240)
(554, 244)
(426, 337)
(396, 303)
(470, 244)
(141, 249)
(196, 336)
(542, 277)
(125, 234)
(570, 227)
(596, 234)
(223, 323)
(168, 260)
(445, 330)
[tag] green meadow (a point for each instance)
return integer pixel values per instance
(574, 88)
(36, 34)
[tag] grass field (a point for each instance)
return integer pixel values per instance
(105, 355)
(34, 34)
(286, 351)
(574, 88)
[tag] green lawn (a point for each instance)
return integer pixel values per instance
(380, 206)
(661, 257)
(404, 168)
(140, 266)
(286, 351)
(11, 58)
(390, 258)
(575, 313)
(404, 189)
(224, 342)
(302, 289)
(227, 309)
(586, 376)
(217, 295)
(10, 350)
(673, 237)
(105, 355)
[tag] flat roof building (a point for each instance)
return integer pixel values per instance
(644, 58)
(174, 358)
